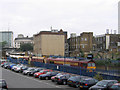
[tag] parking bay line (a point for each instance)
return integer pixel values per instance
(34, 79)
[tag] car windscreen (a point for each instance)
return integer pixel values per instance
(41, 71)
(102, 83)
(29, 69)
(59, 74)
(32, 69)
(24, 67)
(38, 69)
(48, 73)
(87, 81)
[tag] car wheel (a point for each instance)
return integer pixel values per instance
(64, 82)
(46, 78)
(76, 85)
(52, 80)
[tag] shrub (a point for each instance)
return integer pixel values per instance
(98, 77)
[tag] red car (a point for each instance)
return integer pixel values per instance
(36, 75)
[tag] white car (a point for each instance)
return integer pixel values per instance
(18, 68)
(25, 72)
(14, 67)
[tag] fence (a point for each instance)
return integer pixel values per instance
(106, 74)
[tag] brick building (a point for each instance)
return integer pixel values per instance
(82, 44)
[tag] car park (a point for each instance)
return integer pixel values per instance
(103, 85)
(31, 73)
(25, 72)
(83, 82)
(115, 86)
(3, 84)
(62, 79)
(48, 75)
(75, 80)
(36, 75)
(86, 83)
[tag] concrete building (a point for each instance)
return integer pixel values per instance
(7, 36)
(49, 43)
(21, 39)
(81, 44)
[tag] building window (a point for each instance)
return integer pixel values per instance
(83, 46)
(81, 39)
(85, 39)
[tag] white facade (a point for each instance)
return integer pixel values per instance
(107, 41)
(20, 40)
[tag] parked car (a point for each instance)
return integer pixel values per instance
(6, 65)
(3, 63)
(25, 72)
(3, 84)
(75, 81)
(53, 77)
(62, 79)
(15, 66)
(11, 65)
(36, 75)
(87, 83)
(18, 68)
(23, 68)
(103, 85)
(48, 75)
(115, 86)
(31, 73)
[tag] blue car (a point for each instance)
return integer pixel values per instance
(10, 67)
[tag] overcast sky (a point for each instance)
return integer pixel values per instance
(29, 17)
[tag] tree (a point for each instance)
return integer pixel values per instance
(26, 47)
